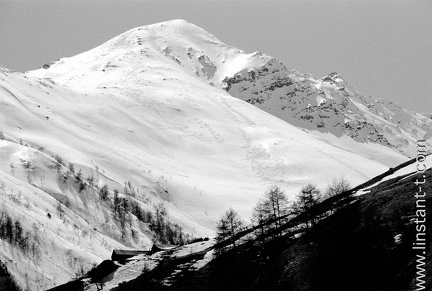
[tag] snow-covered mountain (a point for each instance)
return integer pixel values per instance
(329, 105)
(148, 113)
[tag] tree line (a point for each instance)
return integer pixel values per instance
(163, 229)
(274, 209)
(12, 231)
(123, 207)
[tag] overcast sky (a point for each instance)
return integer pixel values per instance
(383, 48)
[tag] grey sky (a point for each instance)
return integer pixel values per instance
(383, 48)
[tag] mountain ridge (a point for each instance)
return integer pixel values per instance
(330, 104)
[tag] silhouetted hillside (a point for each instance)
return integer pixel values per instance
(365, 246)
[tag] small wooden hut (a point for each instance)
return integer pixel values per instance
(121, 255)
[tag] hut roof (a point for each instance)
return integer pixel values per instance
(158, 248)
(130, 252)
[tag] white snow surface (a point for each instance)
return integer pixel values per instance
(147, 107)
(413, 169)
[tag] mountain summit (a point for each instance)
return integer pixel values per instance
(173, 45)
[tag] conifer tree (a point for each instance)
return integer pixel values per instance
(272, 207)
(308, 197)
(229, 225)
(116, 203)
(337, 187)
(259, 217)
(71, 169)
(17, 232)
(103, 192)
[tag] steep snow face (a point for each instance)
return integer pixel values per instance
(147, 108)
(330, 105)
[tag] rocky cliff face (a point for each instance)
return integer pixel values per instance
(331, 105)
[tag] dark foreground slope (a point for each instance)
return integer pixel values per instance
(364, 246)
(367, 246)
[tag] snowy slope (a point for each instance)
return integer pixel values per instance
(147, 108)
